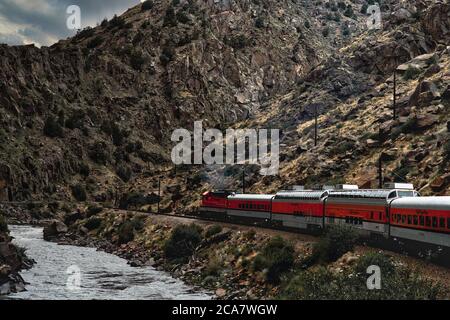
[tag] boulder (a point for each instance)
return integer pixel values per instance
(54, 229)
(420, 62)
(426, 121)
(372, 143)
(425, 92)
(440, 182)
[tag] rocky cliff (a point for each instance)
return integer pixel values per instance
(99, 108)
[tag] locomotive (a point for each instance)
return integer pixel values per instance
(397, 212)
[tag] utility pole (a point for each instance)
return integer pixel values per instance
(395, 90)
(380, 172)
(243, 179)
(159, 194)
(315, 126)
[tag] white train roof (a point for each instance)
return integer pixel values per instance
(434, 203)
(301, 195)
(250, 197)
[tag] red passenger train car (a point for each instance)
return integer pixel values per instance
(299, 209)
(397, 214)
(422, 219)
(256, 207)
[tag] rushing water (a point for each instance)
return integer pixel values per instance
(101, 275)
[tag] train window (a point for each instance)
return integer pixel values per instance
(422, 220)
(428, 221)
(371, 215)
(403, 219)
(409, 219)
(441, 222)
(416, 220)
(448, 223)
(435, 222)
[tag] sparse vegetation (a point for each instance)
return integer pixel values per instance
(182, 242)
(124, 172)
(95, 42)
(52, 128)
(126, 232)
(213, 230)
(93, 223)
(277, 257)
(337, 241)
(147, 5)
(93, 210)
(397, 283)
(98, 152)
(411, 73)
(79, 192)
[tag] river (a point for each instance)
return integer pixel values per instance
(74, 273)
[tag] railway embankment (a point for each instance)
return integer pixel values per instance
(242, 262)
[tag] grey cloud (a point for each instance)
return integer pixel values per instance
(46, 27)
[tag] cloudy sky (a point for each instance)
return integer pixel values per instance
(44, 22)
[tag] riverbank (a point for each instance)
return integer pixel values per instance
(239, 262)
(12, 261)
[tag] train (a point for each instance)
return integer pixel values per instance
(395, 213)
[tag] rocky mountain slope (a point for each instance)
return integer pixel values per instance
(352, 92)
(90, 118)
(92, 112)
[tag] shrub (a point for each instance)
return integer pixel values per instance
(147, 5)
(182, 242)
(52, 128)
(137, 60)
(170, 19)
(408, 127)
(75, 120)
(3, 224)
(118, 135)
(167, 55)
(84, 169)
(116, 22)
(79, 192)
(337, 241)
(277, 257)
(349, 12)
(126, 232)
(213, 267)
(307, 24)
(95, 42)
(411, 73)
(93, 210)
(182, 17)
(93, 223)
(447, 149)
(326, 32)
(213, 230)
(259, 23)
(135, 199)
(98, 152)
(124, 172)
